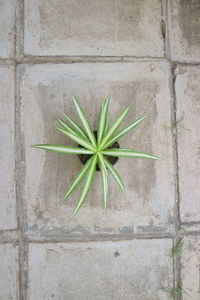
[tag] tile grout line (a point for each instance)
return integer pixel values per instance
(84, 59)
(34, 60)
(168, 26)
(165, 16)
(164, 27)
(19, 199)
(101, 237)
(18, 188)
(166, 8)
(17, 183)
(90, 238)
(20, 31)
(175, 146)
(177, 263)
(23, 245)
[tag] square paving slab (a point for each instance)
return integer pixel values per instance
(147, 204)
(100, 270)
(92, 27)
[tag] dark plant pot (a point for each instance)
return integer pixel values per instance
(84, 157)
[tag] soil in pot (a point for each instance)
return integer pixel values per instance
(84, 157)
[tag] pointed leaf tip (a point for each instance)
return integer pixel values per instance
(114, 127)
(84, 121)
(102, 119)
(115, 175)
(77, 179)
(124, 131)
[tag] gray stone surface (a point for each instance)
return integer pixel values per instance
(9, 272)
(100, 270)
(184, 30)
(7, 32)
(11, 236)
(91, 27)
(188, 110)
(7, 158)
(84, 259)
(147, 205)
(190, 268)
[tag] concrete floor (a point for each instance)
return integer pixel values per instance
(144, 53)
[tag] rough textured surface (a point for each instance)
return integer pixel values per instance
(92, 27)
(185, 30)
(188, 112)
(7, 32)
(190, 268)
(147, 203)
(9, 272)
(100, 270)
(133, 50)
(7, 159)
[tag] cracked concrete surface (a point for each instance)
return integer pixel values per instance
(144, 53)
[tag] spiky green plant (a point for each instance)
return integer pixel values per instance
(99, 148)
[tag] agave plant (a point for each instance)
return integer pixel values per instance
(98, 148)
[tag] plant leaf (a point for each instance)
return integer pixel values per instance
(87, 184)
(68, 128)
(76, 127)
(106, 127)
(84, 121)
(125, 130)
(114, 127)
(77, 179)
(115, 174)
(104, 178)
(102, 162)
(76, 138)
(63, 149)
(102, 119)
(128, 153)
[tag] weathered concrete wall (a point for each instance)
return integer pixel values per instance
(144, 53)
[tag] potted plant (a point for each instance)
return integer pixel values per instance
(98, 150)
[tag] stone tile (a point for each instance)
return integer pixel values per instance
(93, 28)
(7, 182)
(9, 272)
(188, 111)
(184, 30)
(100, 270)
(7, 32)
(147, 205)
(190, 268)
